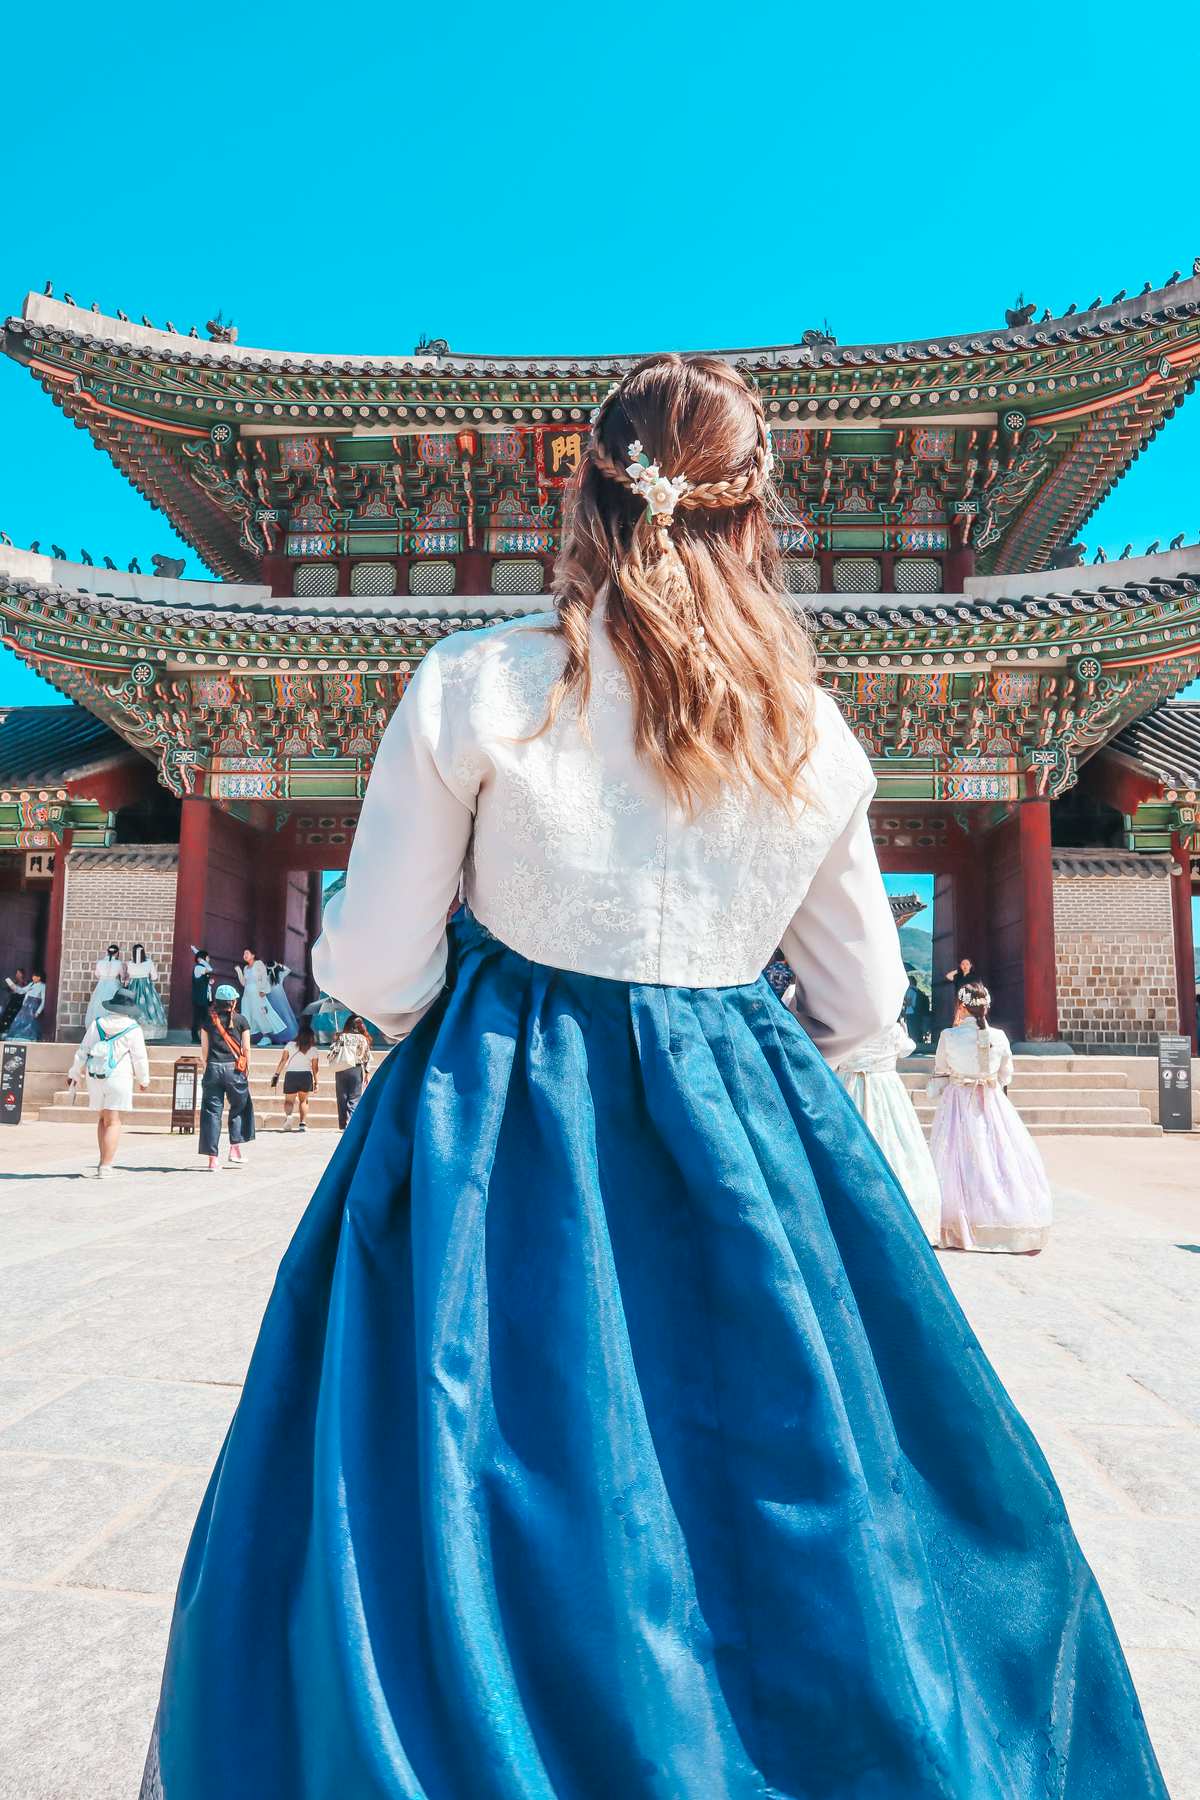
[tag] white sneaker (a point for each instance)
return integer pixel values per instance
(290, 1122)
(105, 1172)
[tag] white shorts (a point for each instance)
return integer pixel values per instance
(115, 1094)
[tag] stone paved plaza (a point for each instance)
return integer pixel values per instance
(127, 1312)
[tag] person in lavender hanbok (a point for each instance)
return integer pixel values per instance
(110, 975)
(142, 981)
(995, 1195)
(26, 1027)
(257, 1010)
(869, 1077)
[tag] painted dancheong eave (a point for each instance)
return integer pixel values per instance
(983, 450)
(247, 697)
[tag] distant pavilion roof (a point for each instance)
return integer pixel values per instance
(1166, 742)
(42, 746)
(1017, 433)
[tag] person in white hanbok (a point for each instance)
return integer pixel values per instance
(110, 1055)
(257, 1010)
(870, 1078)
(995, 1195)
(110, 975)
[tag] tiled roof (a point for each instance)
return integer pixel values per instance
(40, 744)
(1110, 862)
(63, 320)
(1166, 742)
(127, 856)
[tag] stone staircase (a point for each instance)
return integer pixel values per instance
(1069, 1096)
(1059, 1096)
(48, 1098)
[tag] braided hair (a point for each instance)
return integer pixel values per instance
(719, 662)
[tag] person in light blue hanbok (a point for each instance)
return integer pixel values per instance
(612, 1432)
(277, 999)
(110, 976)
(142, 982)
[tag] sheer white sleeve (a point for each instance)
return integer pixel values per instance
(942, 1070)
(382, 950)
(844, 948)
(1004, 1073)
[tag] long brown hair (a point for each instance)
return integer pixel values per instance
(718, 662)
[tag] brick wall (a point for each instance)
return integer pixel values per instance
(1115, 950)
(121, 896)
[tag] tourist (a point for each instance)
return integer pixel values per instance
(914, 1013)
(260, 1015)
(277, 999)
(870, 1078)
(612, 1429)
(225, 1075)
(142, 979)
(10, 1003)
(111, 1053)
(349, 1057)
(298, 1066)
(110, 975)
(963, 973)
(995, 1195)
(26, 1026)
(202, 987)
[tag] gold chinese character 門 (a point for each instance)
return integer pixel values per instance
(566, 450)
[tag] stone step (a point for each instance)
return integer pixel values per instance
(1105, 1130)
(1032, 1080)
(158, 1118)
(1098, 1117)
(1024, 1097)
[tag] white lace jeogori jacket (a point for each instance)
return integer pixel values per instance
(573, 854)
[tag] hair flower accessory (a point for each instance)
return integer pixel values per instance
(662, 493)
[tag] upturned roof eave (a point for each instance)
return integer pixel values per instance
(1162, 305)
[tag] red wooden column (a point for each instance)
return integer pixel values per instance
(1037, 922)
(54, 938)
(191, 904)
(1185, 948)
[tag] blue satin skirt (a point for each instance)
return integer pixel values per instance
(612, 1434)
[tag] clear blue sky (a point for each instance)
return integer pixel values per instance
(566, 178)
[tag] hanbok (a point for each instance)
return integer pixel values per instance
(260, 1015)
(143, 983)
(612, 1430)
(277, 999)
(110, 975)
(995, 1195)
(26, 1027)
(871, 1080)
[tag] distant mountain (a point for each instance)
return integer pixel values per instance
(916, 947)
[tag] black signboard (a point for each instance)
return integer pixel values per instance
(1175, 1084)
(185, 1093)
(12, 1082)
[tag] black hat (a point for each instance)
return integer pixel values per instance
(122, 1001)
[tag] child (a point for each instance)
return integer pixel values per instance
(869, 1077)
(995, 1195)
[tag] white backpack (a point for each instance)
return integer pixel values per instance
(104, 1056)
